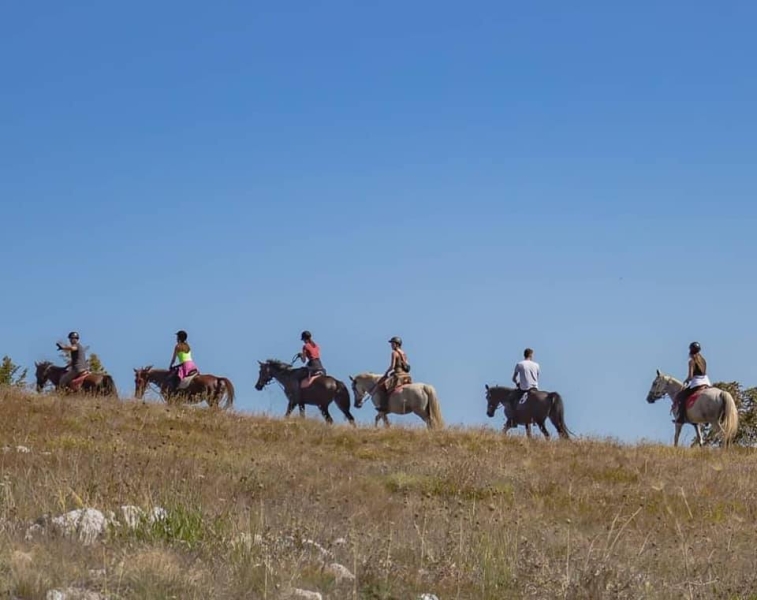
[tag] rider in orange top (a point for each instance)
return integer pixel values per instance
(311, 353)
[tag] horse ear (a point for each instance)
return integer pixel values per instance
(658, 372)
(36, 364)
(486, 386)
(352, 378)
(260, 362)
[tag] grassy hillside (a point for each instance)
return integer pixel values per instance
(457, 513)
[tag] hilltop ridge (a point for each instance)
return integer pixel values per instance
(257, 506)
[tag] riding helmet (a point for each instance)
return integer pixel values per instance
(306, 335)
(396, 340)
(182, 335)
(694, 347)
(73, 336)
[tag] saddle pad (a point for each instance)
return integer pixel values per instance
(184, 383)
(77, 382)
(308, 381)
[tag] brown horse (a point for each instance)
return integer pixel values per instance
(536, 409)
(96, 384)
(204, 386)
(320, 392)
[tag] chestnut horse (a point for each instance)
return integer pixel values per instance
(96, 384)
(204, 386)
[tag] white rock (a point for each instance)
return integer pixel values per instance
(340, 572)
(305, 594)
(22, 449)
(340, 542)
(73, 594)
(132, 515)
(32, 531)
(428, 597)
(86, 523)
(158, 513)
(322, 551)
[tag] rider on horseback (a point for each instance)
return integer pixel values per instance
(695, 380)
(396, 375)
(183, 353)
(526, 377)
(311, 353)
(78, 363)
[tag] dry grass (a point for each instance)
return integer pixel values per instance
(459, 513)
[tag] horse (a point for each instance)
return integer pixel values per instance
(419, 398)
(203, 386)
(710, 405)
(318, 391)
(536, 409)
(96, 384)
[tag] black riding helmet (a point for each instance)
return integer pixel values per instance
(396, 340)
(694, 347)
(306, 335)
(73, 336)
(182, 335)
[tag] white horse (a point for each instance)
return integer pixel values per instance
(418, 398)
(712, 405)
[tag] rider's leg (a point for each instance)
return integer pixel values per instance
(67, 377)
(681, 399)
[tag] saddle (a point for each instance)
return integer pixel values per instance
(308, 381)
(398, 389)
(695, 393)
(76, 383)
(184, 383)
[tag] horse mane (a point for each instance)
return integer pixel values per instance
(368, 374)
(279, 364)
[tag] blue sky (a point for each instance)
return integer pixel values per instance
(576, 178)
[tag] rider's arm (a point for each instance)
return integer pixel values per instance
(691, 370)
(391, 365)
(173, 356)
(68, 348)
(515, 375)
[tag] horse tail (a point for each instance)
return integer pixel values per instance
(109, 386)
(342, 400)
(557, 415)
(729, 422)
(222, 384)
(433, 408)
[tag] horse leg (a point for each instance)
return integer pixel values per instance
(678, 433)
(528, 429)
(386, 419)
(543, 429)
(325, 412)
(301, 406)
(290, 408)
(698, 429)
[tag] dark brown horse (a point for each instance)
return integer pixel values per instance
(94, 384)
(536, 409)
(204, 386)
(321, 392)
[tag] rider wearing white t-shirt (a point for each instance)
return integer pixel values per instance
(526, 374)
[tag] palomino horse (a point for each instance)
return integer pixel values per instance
(710, 405)
(418, 398)
(536, 409)
(97, 384)
(204, 386)
(320, 392)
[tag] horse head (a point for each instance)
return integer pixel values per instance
(659, 388)
(362, 386)
(41, 373)
(269, 370)
(491, 402)
(141, 379)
